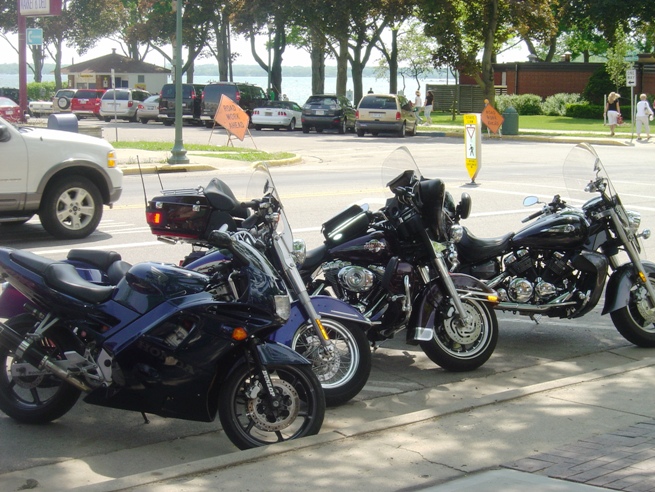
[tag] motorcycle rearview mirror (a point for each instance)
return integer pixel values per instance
(220, 239)
(530, 200)
(464, 206)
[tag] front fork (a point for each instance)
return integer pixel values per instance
(291, 272)
(440, 264)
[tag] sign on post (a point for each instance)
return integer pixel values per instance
(631, 78)
(34, 36)
(472, 144)
(491, 117)
(39, 8)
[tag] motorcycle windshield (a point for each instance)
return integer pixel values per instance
(261, 186)
(398, 169)
(586, 177)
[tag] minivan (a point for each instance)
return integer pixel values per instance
(247, 96)
(380, 113)
(191, 97)
(121, 103)
(86, 102)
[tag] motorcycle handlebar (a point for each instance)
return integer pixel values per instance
(533, 216)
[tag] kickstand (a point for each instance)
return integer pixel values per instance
(145, 418)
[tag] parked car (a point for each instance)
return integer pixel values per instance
(277, 114)
(64, 177)
(148, 110)
(86, 102)
(121, 103)
(377, 113)
(328, 111)
(39, 108)
(11, 93)
(61, 101)
(247, 96)
(9, 110)
(191, 98)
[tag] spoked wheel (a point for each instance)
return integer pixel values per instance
(464, 346)
(634, 321)
(344, 369)
(250, 419)
(28, 395)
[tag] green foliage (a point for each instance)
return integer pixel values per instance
(556, 104)
(599, 86)
(524, 103)
(41, 91)
(616, 60)
(585, 110)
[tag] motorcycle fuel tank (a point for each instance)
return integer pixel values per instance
(370, 247)
(557, 231)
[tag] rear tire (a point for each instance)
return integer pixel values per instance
(292, 125)
(343, 375)
(249, 421)
(305, 129)
(361, 133)
(465, 348)
(403, 131)
(342, 127)
(35, 399)
(144, 121)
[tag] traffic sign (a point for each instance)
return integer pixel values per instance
(631, 78)
(34, 36)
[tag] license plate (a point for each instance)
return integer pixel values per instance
(320, 112)
(268, 113)
(377, 115)
(84, 101)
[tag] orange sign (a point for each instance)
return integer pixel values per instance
(492, 118)
(231, 117)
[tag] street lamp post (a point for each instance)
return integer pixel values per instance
(178, 153)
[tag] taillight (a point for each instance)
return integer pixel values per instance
(130, 104)
(357, 114)
(153, 218)
(398, 116)
(256, 111)
(238, 96)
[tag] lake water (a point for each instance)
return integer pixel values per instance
(296, 88)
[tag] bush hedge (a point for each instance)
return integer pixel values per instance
(524, 103)
(556, 104)
(585, 110)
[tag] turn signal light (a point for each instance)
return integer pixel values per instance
(239, 334)
(153, 217)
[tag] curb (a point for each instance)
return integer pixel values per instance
(131, 169)
(212, 464)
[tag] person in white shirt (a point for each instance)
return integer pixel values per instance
(644, 114)
(417, 107)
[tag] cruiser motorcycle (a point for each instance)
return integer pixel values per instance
(165, 340)
(558, 265)
(327, 331)
(391, 266)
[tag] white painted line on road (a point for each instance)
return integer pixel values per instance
(109, 246)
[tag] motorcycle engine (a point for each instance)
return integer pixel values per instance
(539, 279)
(356, 278)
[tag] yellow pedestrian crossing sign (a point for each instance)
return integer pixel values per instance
(472, 144)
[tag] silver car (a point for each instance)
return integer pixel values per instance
(121, 103)
(277, 114)
(148, 109)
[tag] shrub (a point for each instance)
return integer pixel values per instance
(585, 110)
(40, 91)
(556, 104)
(524, 103)
(600, 85)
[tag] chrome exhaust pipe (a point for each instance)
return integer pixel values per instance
(24, 349)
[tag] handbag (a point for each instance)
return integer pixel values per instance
(619, 120)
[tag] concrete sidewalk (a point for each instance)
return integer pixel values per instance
(573, 434)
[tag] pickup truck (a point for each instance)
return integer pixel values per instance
(64, 177)
(39, 108)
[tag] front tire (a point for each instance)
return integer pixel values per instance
(249, 421)
(342, 127)
(305, 129)
(465, 348)
(633, 321)
(344, 373)
(292, 125)
(71, 208)
(35, 399)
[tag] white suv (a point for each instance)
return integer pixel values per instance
(122, 103)
(63, 177)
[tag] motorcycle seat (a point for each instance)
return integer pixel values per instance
(314, 258)
(63, 277)
(95, 257)
(471, 248)
(31, 261)
(220, 197)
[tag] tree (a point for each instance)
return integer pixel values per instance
(617, 64)
(464, 30)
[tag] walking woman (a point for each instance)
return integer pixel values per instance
(612, 111)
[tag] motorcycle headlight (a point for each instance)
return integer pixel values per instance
(456, 233)
(299, 252)
(634, 221)
(283, 307)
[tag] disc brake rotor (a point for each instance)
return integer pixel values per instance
(24, 375)
(268, 418)
(325, 363)
(467, 330)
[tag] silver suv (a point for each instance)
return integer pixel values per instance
(121, 103)
(378, 113)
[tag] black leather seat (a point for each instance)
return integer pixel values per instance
(64, 278)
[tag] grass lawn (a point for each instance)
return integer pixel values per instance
(224, 152)
(559, 124)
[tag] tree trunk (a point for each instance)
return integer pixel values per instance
(222, 46)
(37, 63)
(317, 56)
(485, 78)
(57, 57)
(393, 63)
(342, 67)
